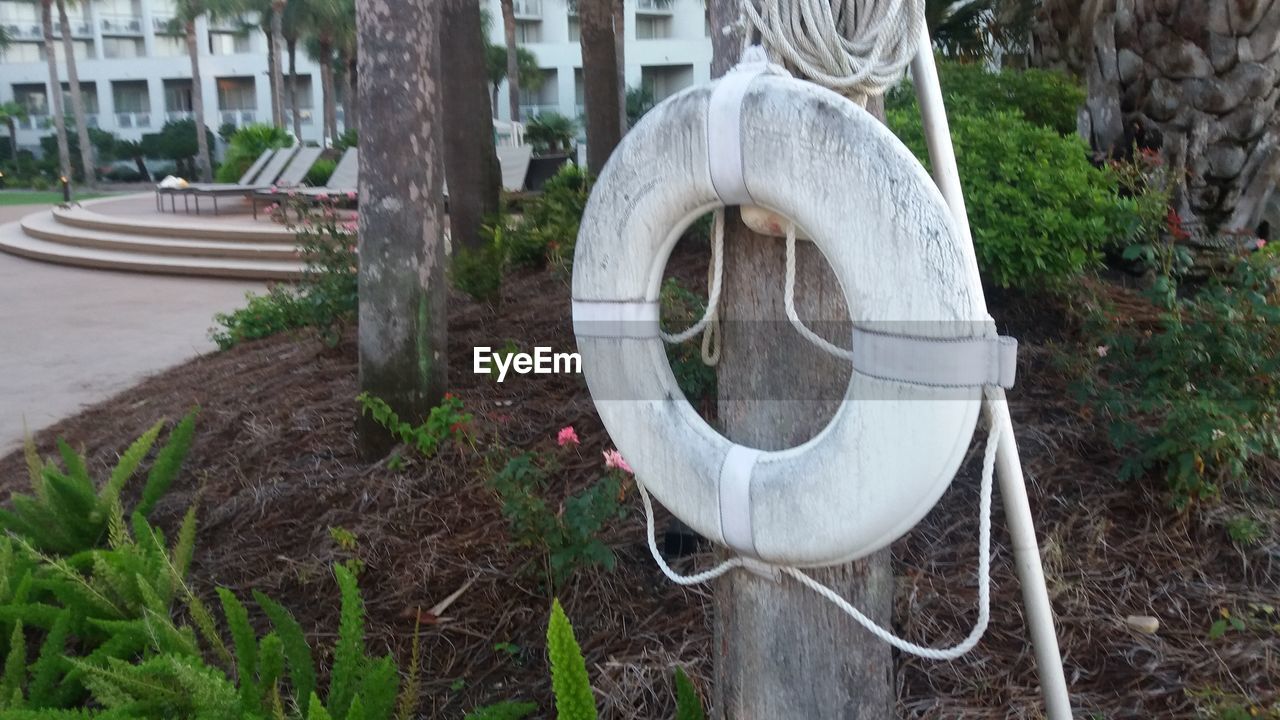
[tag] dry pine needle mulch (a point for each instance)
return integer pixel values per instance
(274, 467)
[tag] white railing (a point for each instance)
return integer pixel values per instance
(232, 25)
(174, 115)
(160, 24)
(23, 31)
(78, 29)
(35, 122)
(527, 9)
(120, 24)
(238, 117)
(133, 119)
(654, 7)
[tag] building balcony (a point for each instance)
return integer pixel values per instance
(78, 29)
(121, 25)
(305, 116)
(176, 115)
(23, 31)
(126, 120)
(238, 117)
(163, 25)
(230, 25)
(527, 9)
(653, 7)
(35, 122)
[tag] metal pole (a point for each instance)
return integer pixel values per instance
(1013, 489)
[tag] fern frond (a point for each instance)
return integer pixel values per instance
(348, 653)
(77, 471)
(413, 683)
(569, 681)
(315, 709)
(297, 651)
(356, 711)
(51, 664)
(245, 643)
(688, 704)
(270, 664)
(378, 690)
(15, 669)
(168, 463)
(128, 463)
(186, 544)
(35, 466)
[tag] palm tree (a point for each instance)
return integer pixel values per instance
(513, 62)
(470, 161)
(600, 80)
(187, 11)
(10, 114)
(277, 74)
(324, 21)
(959, 27)
(531, 77)
(290, 29)
(345, 52)
(55, 87)
(77, 100)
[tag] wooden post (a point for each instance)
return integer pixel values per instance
(781, 650)
(402, 312)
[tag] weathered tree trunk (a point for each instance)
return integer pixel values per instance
(353, 97)
(471, 162)
(348, 110)
(402, 315)
(782, 651)
(600, 81)
(1198, 80)
(513, 61)
(620, 48)
(277, 70)
(293, 87)
(204, 164)
(77, 100)
(330, 109)
(55, 88)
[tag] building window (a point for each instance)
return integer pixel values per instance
(528, 32)
(575, 29)
(236, 94)
(177, 96)
(663, 81)
(652, 28)
(22, 52)
(32, 97)
(88, 96)
(121, 47)
(222, 43)
(170, 46)
(131, 96)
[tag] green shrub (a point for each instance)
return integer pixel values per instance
(445, 422)
(550, 133)
(1043, 97)
(1196, 397)
(681, 309)
(245, 145)
(1040, 212)
(325, 298)
(479, 272)
(348, 139)
(549, 229)
(319, 173)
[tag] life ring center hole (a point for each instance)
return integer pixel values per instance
(772, 388)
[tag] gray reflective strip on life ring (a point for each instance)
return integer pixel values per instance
(724, 133)
(937, 362)
(615, 319)
(735, 498)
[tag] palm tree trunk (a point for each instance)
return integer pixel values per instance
(403, 294)
(620, 46)
(347, 108)
(77, 100)
(353, 107)
(277, 76)
(13, 138)
(600, 80)
(326, 88)
(513, 62)
(273, 87)
(55, 87)
(470, 161)
(293, 88)
(204, 164)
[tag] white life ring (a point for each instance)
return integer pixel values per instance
(850, 185)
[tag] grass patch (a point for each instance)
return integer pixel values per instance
(40, 197)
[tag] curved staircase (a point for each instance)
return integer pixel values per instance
(119, 233)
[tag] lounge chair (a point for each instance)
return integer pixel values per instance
(343, 181)
(256, 169)
(294, 173)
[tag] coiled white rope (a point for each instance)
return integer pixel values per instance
(996, 409)
(855, 47)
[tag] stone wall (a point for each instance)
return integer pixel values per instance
(1198, 79)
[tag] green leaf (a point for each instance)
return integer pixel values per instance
(569, 681)
(297, 651)
(168, 463)
(688, 705)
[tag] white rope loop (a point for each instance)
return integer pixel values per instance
(713, 296)
(859, 47)
(996, 410)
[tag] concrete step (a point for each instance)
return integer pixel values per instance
(196, 227)
(46, 226)
(15, 241)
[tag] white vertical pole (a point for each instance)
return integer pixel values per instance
(1013, 489)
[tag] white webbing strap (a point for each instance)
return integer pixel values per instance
(594, 318)
(724, 127)
(996, 408)
(735, 498)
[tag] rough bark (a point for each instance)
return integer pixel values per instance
(471, 162)
(513, 61)
(55, 88)
(348, 110)
(620, 49)
(353, 99)
(781, 651)
(293, 87)
(277, 71)
(600, 81)
(402, 315)
(1198, 80)
(77, 100)
(204, 164)
(330, 107)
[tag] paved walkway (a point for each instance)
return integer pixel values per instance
(71, 337)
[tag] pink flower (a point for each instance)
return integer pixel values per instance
(351, 194)
(273, 207)
(613, 459)
(322, 197)
(274, 189)
(569, 436)
(1261, 244)
(1102, 350)
(293, 193)
(349, 227)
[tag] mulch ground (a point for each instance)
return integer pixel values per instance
(274, 468)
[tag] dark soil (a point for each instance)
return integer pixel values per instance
(274, 467)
